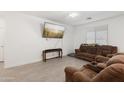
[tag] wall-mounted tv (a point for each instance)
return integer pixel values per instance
(53, 30)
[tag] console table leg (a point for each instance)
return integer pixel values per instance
(44, 57)
(61, 54)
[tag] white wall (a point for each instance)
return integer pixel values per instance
(24, 42)
(2, 33)
(115, 32)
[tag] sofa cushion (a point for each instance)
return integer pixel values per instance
(107, 47)
(112, 73)
(116, 59)
(93, 67)
(101, 59)
(106, 52)
(99, 50)
(101, 65)
(91, 49)
(87, 55)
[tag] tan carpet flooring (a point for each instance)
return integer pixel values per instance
(50, 71)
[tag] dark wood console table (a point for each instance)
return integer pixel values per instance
(59, 50)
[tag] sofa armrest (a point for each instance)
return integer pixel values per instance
(110, 55)
(69, 71)
(94, 68)
(80, 77)
(101, 59)
(94, 63)
(101, 65)
(77, 50)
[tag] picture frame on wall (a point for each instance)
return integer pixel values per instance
(52, 30)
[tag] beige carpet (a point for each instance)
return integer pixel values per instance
(51, 71)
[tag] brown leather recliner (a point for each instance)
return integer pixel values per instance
(113, 72)
(89, 52)
(103, 59)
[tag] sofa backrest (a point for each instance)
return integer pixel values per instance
(88, 48)
(112, 73)
(98, 49)
(91, 49)
(107, 49)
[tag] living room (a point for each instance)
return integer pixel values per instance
(61, 46)
(23, 42)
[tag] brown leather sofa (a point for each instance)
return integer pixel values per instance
(89, 52)
(103, 59)
(113, 72)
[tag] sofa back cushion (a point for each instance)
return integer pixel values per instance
(91, 49)
(98, 49)
(106, 52)
(88, 48)
(116, 59)
(106, 49)
(112, 73)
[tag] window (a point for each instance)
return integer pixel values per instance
(90, 37)
(98, 35)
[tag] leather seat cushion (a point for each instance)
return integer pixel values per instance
(87, 55)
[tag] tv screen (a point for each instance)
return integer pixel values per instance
(53, 31)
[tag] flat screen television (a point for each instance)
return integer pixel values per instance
(53, 30)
